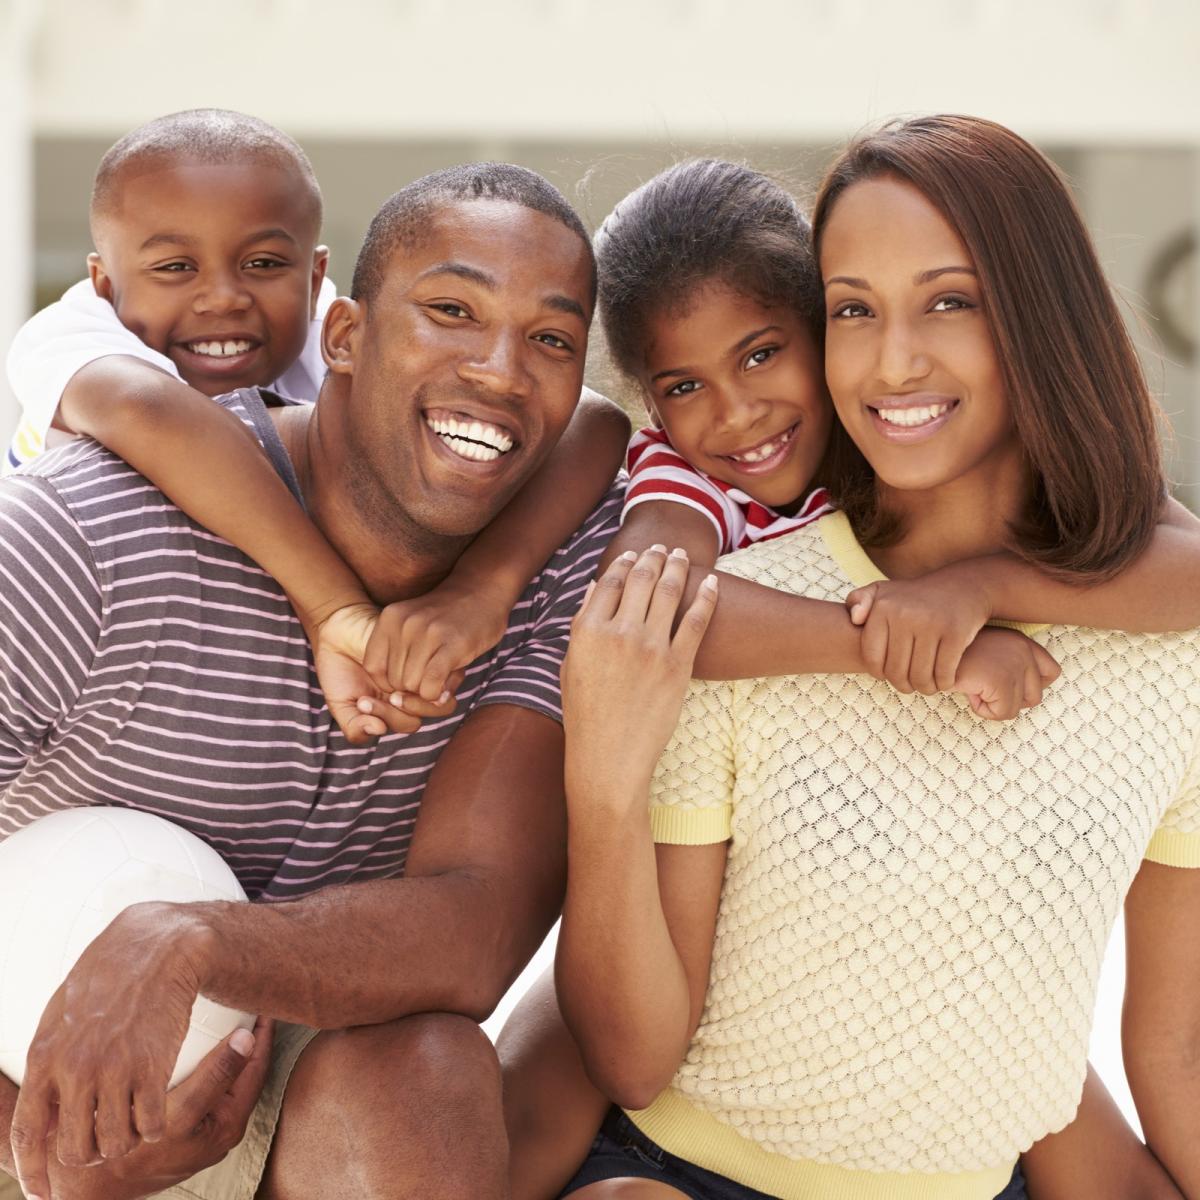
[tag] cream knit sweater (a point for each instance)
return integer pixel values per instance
(916, 902)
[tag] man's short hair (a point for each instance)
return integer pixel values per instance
(207, 135)
(404, 217)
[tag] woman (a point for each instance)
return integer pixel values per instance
(861, 959)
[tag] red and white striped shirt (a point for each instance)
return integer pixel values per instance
(657, 471)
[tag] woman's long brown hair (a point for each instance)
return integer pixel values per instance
(1080, 404)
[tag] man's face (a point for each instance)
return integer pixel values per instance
(467, 364)
(213, 265)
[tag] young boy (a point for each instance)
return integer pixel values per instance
(208, 276)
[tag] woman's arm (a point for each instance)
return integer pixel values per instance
(638, 923)
(418, 643)
(1160, 1030)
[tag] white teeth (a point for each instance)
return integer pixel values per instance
(220, 349)
(909, 417)
(763, 452)
(472, 439)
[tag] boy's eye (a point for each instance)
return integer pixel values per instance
(685, 387)
(172, 268)
(756, 358)
(264, 263)
(851, 309)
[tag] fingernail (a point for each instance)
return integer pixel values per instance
(443, 697)
(242, 1041)
(629, 556)
(363, 704)
(396, 699)
(710, 582)
(679, 552)
(658, 548)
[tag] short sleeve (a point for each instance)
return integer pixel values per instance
(657, 471)
(691, 796)
(51, 347)
(1176, 842)
(532, 650)
(49, 618)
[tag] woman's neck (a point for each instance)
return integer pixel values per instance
(966, 518)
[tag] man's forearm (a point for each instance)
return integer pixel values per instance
(8, 1103)
(357, 954)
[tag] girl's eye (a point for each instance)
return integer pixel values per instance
(756, 358)
(684, 388)
(951, 304)
(849, 310)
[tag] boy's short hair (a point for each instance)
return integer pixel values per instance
(403, 216)
(207, 135)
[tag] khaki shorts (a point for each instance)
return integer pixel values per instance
(238, 1175)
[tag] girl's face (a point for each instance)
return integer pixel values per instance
(738, 389)
(909, 356)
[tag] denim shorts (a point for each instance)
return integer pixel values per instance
(622, 1151)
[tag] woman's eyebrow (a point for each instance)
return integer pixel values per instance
(937, 272)
(848, 280)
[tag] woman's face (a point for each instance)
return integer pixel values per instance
(909, 355)
(738, 389)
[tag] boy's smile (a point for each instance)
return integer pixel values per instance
(215, 266)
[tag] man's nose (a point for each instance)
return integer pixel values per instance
(498, 364)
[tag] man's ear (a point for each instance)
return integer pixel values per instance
(99, 277)
(341, 333)
(320, 265)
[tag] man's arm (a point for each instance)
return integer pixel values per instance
(484, 883)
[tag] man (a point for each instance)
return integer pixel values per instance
(149, 664)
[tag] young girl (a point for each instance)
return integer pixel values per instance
(706, 283)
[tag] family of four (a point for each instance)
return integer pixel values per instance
(345, 585)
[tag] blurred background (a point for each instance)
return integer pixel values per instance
(599, 96)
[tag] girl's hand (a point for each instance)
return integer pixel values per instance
(417, 646)
(363, 709)
(1003, 672)
(915, 632)
(625, 673)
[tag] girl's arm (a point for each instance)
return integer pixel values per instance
(1160, 1027)
(419, 642)
(638, 922)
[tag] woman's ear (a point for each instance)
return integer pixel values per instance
(340, 334)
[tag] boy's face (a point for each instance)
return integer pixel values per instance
(215, 266)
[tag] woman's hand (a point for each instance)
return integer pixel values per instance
(625, 673)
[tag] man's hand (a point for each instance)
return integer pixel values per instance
(102, 1056)
(204, 1118)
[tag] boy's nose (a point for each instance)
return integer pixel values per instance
(222, 296)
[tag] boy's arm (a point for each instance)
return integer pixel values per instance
(205, 460)
(418, 643)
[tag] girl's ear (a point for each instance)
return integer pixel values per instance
(651, 411)
(340, 334)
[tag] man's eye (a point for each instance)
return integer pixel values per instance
(756, 358)
(684, 388)
(451, 309)
(553, 340)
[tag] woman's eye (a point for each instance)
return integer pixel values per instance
(850, 310)
(951, 304)
(756, 358)
(684, 388)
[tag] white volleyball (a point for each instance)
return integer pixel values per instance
(63, 878)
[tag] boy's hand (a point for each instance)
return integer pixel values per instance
(1003, 672)
(915, 632)
(418, 645)
(363, 709)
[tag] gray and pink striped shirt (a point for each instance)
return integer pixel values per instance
(145, 662)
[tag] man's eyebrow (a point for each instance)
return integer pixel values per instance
(474, 274)
(565, 304)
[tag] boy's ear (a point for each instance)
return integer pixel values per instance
(320, 265)
(340, 334)
(99, 277)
